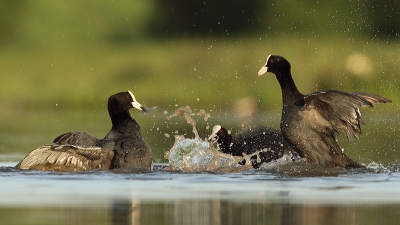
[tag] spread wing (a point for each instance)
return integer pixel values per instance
(372, 98)
(63, 158)
(338, 112)
(79, 138)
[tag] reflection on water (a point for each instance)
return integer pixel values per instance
(203, 212)
(281, 196)
(161, 197)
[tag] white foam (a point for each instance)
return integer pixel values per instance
(195, 155)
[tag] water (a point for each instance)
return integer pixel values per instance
(286, 194)
(194, 154)
(161, 197)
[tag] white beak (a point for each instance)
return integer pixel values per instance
(264, 69)
(135, 104)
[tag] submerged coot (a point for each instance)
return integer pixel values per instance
(312, 122)
(122, 147)
(268, 141)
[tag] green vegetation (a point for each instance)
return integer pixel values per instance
(64, 54)
(57, 57)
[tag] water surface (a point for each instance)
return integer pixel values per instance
(160, 197)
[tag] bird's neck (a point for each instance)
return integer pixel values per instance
(124, 123)
(290, 93)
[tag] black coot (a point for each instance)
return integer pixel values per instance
(122, 147)
(268, 141)
(312, 122)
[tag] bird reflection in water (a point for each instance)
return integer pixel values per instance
(216, 212)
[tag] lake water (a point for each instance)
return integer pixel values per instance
(159, 197)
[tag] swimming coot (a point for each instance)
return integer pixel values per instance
(270, 142)
(122, 147)
(312, 122)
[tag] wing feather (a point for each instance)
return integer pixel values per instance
(63, 158)
(78, 138)
(341, 110)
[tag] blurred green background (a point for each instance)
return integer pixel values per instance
(61, 60)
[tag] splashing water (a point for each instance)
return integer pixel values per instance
(187, 113)
(191, 155)
(194, 155)
(197, 155)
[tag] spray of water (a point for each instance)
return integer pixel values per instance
(193, 155)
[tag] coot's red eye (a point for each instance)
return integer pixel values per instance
(128, 97)
(271, 61)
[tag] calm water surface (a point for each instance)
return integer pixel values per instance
(160, 197)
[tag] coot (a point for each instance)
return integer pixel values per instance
(270, 142)
(122, 147)
(312, 122)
